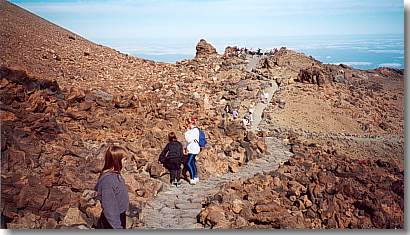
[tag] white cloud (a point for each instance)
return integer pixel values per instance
(354, 63)
(392, 65)
(388, 51)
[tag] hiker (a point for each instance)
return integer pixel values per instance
(262, 96)
(112, 191)
(250, 116)
(193, 149)
(245, 120)
(235, 114)
(225, 115)
(227, 109)
(250, 110)
(266, 96)
(171, 157)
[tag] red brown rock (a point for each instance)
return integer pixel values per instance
(204, 49)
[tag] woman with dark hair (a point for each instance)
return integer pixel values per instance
(112, 191)
(171, 158)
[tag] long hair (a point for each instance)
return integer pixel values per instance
(113, 159)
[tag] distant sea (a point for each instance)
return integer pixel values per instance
(357, 51)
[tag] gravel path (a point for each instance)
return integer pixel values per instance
(177, 208)
(260, 107)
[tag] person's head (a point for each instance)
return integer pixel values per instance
(172, 137)
(113, 158)
(191, 123)
(191, 126)
(193, 120)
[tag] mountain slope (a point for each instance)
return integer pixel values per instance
(46, 50)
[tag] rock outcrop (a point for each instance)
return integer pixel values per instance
(204, 49)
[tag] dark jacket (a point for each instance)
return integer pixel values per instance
(173, 150)
(113, 195)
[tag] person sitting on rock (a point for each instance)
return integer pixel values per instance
(171, 157)
(193, 149)
(112, 191)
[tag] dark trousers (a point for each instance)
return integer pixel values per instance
(174, 167)
(104, 224)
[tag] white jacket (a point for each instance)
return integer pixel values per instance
(190, 137)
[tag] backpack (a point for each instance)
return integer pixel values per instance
(202, 140)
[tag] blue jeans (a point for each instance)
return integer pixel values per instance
(192, 165)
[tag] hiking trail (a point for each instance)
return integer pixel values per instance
(177, 208)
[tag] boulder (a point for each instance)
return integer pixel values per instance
(230, 51)
(27, 221)
(215, 216)
(204, 49)
(25, 198)
(94, 213)
(74, 217)
(156, 170)
(262, 147)
(237, 206)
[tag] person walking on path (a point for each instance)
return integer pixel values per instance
(193, 149)
(171, 157)
(111, 190)
(227, 110)
(251, 115)
(266, 97)
(245, 120)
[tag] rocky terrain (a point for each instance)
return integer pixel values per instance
(64, 99)
(320, 187)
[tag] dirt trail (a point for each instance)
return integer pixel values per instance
(177, 208)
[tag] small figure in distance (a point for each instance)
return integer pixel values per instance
(266, 97)
(235, 114)
(171, 157)
(251, 116)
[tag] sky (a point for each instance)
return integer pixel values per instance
(188, 19)
(363, 33)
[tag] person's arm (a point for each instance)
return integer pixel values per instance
(163, 153)
(109, 203)
(181, 151)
